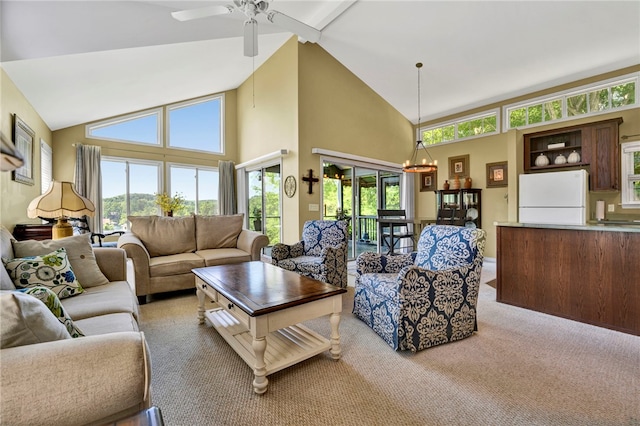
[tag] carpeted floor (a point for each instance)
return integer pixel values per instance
(521, 368)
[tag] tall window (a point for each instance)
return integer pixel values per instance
(631, 175)
(199, 187)
(142, 127)
(197, 125)
(46, 166)
(128, 189)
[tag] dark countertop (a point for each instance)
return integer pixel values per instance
(611, 226)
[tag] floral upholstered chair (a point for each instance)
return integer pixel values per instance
(322, 253)
(426, 298)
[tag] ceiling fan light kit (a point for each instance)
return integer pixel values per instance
(252, 8)
(251, 38)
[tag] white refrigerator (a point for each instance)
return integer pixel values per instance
(553, 198)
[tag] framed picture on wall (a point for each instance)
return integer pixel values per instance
(428, 181)
(497, 174)
(23, 138)
(459, 166)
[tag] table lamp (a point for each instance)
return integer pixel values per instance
(60, 202)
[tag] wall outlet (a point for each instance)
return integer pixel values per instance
(611, 208)
(314, 207)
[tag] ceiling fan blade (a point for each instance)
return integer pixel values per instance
(202, 12)
(251, 38)
(300, 28)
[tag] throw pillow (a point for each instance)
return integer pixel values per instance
(79, 251)
(163, 236)
(218, 231)
(52, 302)
(52, 270)
(25, 320)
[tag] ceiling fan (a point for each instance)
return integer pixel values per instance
(252, 8)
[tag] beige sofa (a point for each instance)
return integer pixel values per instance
(95, 379)
(164, 250)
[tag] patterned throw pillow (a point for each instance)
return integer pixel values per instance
(52, 302)
(52, 270)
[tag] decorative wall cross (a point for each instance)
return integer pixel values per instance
(310, 180)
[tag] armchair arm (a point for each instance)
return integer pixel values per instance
(110, 379)
(370, 262)
(112, 262)
(334, 264)
(252, 242)
(101, 237)
(138, 253)
(282, 251)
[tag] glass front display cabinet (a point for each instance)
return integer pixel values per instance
(459, 207)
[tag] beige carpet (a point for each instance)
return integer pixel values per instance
(521, 368)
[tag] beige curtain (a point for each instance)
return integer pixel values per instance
(226, 188)
(88, 181)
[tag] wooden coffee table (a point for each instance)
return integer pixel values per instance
(258, 308)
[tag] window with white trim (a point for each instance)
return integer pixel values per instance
(197, 125)
(603, 97)
(46, 166)
(199, 187)
(128, 189)
(462, 128)
(630, 163)
(141, 127)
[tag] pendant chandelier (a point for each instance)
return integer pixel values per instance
(412, 166)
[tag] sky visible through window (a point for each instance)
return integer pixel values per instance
(140, 129)
(196, 126)
(193, 126)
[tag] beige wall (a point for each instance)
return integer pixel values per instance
(14, 196)
(495, 201)
(268, 122)
(339, 112)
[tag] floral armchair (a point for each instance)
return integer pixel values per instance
(418, 300)
(322, 253)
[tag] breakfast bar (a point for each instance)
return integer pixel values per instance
(588, 273)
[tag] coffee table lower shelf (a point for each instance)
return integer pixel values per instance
(285, 347)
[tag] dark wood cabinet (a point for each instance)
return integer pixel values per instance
(596, 144)
(584, 275)
(23, 232)
(460, 207)
(603, 155)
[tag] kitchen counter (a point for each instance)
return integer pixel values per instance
(587, 273)
(613, 226)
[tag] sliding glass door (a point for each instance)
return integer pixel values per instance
(355, 194)
(263, 202)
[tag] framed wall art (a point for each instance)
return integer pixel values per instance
(459, 166)
(428, 181)
(497, 174)
(23, 138)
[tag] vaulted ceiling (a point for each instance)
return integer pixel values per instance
(79, 61)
